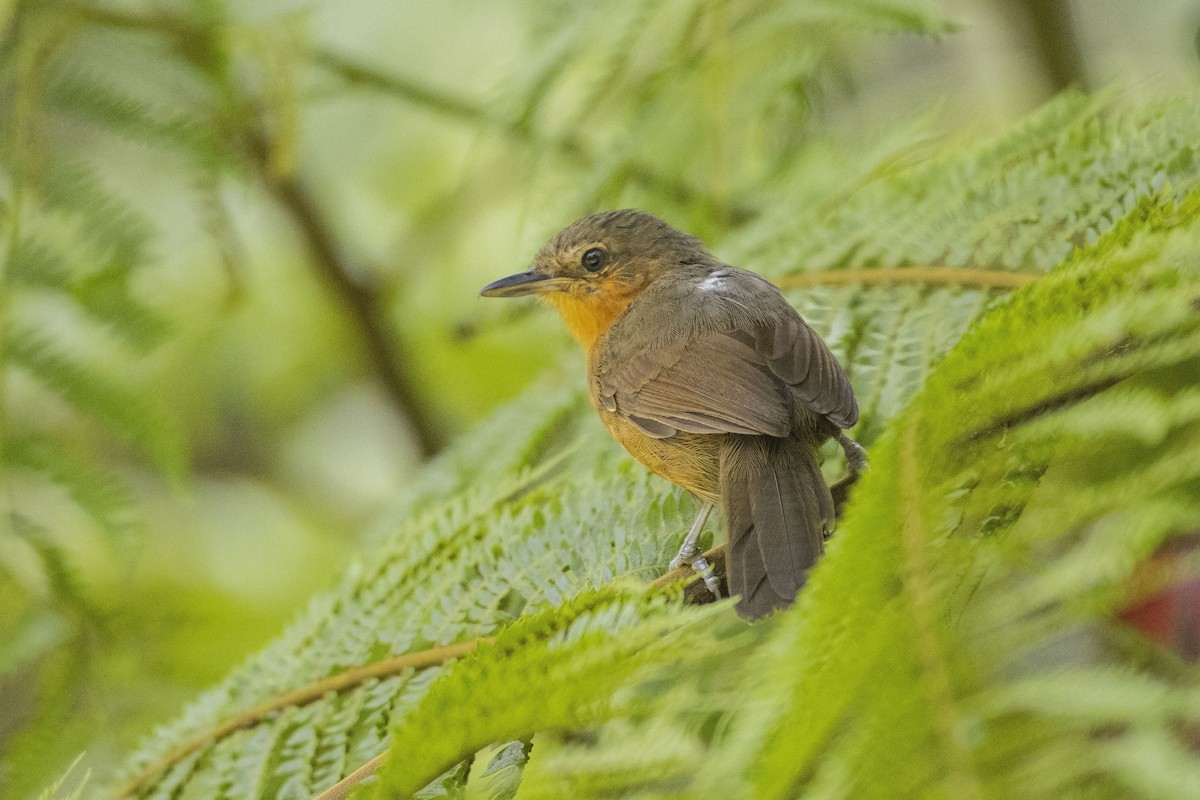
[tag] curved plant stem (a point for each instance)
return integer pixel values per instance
(938, 276)
(340, 682)
(342, 788)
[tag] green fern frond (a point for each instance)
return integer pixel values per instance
(100, 494)
(1069, 175)
(641, 67)
(96, 396)
(623, 758)
(61, 257)
(1119, 311)
(106, 297)
(36, 264)
(959, 638)
(60, 574)
(99, 102)
(521, 439)
(33, 263)
(53, 791)
(470, 566)
(558, 669)
(117, 232)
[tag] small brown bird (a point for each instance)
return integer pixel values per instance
(709, 377)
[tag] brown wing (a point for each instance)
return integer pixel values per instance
(744, 377)
(797, 355)
(713, 384)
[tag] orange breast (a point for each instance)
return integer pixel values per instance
(590, 315)
(688, 460)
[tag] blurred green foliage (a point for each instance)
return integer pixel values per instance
(213, 213)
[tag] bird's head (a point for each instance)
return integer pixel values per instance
(595, 267)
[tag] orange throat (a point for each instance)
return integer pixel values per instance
(589, 316)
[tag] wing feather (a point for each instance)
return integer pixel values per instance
(743, 367)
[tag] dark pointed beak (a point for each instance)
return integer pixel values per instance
(523, 283)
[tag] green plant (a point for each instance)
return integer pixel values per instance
(961, 636)
(1031, 450)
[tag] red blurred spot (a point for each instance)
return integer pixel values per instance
(1166, 592)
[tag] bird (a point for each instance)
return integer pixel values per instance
(708, 376)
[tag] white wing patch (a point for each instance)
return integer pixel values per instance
(714, 282)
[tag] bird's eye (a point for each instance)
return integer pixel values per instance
(593, 259)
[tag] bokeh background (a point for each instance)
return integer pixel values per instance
(272, 302)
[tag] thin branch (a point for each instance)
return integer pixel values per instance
(351, 678)
(364, 304)
(715, 557)
(330, 258)
(934, 276)
(472, 113)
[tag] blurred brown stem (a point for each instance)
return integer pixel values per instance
(365, 305)
(1054, 44)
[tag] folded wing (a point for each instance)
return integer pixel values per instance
(745, 376)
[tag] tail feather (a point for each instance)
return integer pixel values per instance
(777, 509)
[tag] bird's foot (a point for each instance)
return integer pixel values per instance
(856, 454)
(704, 569)
(687, 554)
(691, 556)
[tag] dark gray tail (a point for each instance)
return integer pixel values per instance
(777, 509)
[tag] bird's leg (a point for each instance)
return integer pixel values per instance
(690, 554)
(690, 548)
(856, 454)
